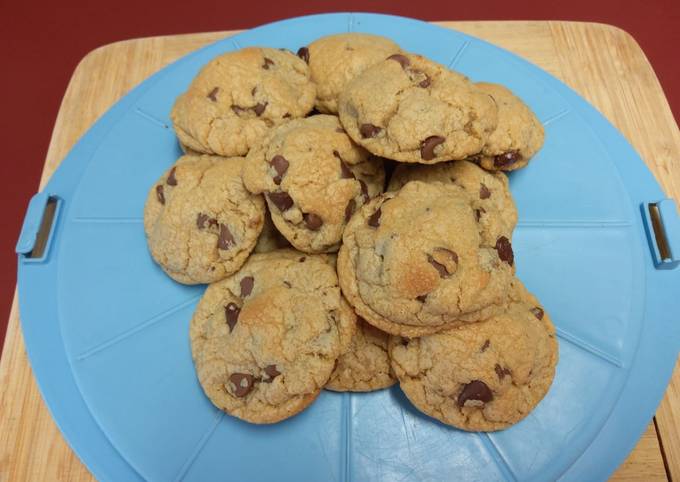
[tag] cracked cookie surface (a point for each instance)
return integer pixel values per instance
(411, 109)
(237, 97)
(334, 60)
(265, 340)
(366, 365)
(313, 177)
(481, 377)
(414, 262)
(490, 195)
(518, 135)
(200, 221)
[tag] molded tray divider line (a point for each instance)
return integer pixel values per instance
(346, 433)
(587, 347)
(458, 55)
(496, 455)
(235, 43)
(97, 220)
(556, 117)
(136, 329)
(573, 224)
(199, 448)
(151, 118)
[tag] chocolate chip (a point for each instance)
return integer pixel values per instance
(313, 221)
(374, 219)
(345, 172)
(281, 200)
(425, 83)
(349, 210)
(159, 194)
(243, 383)
(213, 94)
(444, 261)
(267, 63)
(302, 259)
(476, 390)
(280, 165)
(253, 91)
(238, 109)
(506, 159)
(538, 312)
(364, 190)
(247, 284)
(401, 59)
(287, 283)
(287, 115)
(225, 240)
(478, 213)
(428, 145)
(369, 130)
(484, 192)
(303, 53)
(231, 312)
(271, 372)
(203, 219)
(172, 180)
(501, 371)
(259, 108)
(485, 346)
(504, 249)
(421, 298)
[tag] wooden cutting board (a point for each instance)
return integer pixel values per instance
(603, 63)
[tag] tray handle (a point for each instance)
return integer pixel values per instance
(662, 225)
(37, 231)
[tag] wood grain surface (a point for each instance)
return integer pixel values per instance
(602, 63)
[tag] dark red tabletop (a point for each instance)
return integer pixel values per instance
(42, 43)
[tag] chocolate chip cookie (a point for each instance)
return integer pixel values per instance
(366, 365)
(518, 135)
(414, 262)
(411, 109)
(334, 60)
(485, 376)
(492, 201)
(265, 340)
(313, 177)
(270, 239)
(200, 221)
(237, 97)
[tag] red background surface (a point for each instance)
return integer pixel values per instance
(41, 45)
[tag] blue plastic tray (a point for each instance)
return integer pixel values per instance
(107, 331)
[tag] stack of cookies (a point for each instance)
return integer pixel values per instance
(393, 162)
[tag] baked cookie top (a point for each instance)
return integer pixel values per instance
(415, 262)
(481, 377)
(366, 365)
(237, 97)
(313, 177)
(411, 109)
(489, 192)
(200, 221)
(265, 340)
(518, 135)
(334, 60)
